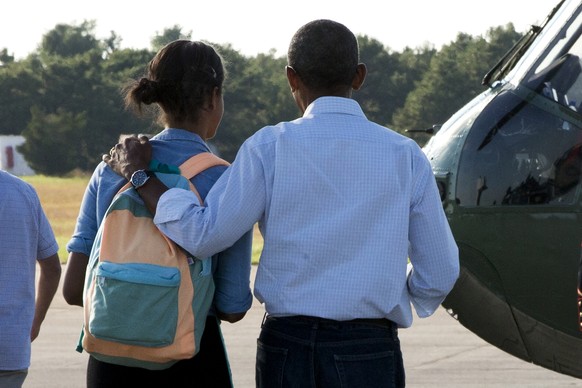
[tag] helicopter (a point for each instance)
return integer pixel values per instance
(509, 166)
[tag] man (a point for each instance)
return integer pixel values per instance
(25, 239)
(342, 203)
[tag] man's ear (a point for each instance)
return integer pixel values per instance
(292, 78)
(360, 76)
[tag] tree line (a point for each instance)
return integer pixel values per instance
(65, 97)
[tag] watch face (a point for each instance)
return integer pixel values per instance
(139, 178)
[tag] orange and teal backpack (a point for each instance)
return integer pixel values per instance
(145, 300)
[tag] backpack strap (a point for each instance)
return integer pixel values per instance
(198, 163)
(192, 167)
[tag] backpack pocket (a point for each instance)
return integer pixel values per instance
(135, 304)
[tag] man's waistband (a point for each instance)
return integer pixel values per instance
(318, 320)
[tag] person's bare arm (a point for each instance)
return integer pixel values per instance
(50, 275)
(135, 154)
(74, 282)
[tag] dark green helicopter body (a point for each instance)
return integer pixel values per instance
(509, 167)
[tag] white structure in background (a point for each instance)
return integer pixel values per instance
(11, 160)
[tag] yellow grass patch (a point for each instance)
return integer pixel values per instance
(61, 199)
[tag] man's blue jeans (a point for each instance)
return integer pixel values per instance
(310, 352)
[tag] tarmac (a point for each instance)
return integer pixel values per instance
(438, 352)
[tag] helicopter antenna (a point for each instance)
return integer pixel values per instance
(431, 131)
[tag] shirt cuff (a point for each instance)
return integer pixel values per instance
(79, 245)
(173, 204)
(230, 306)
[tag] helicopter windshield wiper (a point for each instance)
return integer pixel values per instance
(509, 60)
(500, 123)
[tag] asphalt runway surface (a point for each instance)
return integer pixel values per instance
(438, 352)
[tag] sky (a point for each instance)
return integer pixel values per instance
(258, 26)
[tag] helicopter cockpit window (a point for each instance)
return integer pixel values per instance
(559, 79)
(560, 82)
(525, 148)
(530, 157)
(527, 151)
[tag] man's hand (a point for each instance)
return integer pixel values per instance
(131, 155)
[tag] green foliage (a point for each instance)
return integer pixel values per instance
(167, 36)
(391, 77)
(53, 141)
(124, 65)
(255, 94)
(376, 96)
(74, 90)
(453, 77)
(5, 58)
(21, 84)
(65, 99)
(69, 40)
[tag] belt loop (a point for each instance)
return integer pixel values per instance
(264, 319)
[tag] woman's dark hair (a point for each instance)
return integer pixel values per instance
(179, 79)
(324, 54)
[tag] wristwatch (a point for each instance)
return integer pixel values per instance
(140, 177)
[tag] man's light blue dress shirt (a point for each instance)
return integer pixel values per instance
(342, 203)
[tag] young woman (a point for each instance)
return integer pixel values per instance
(184, 82)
